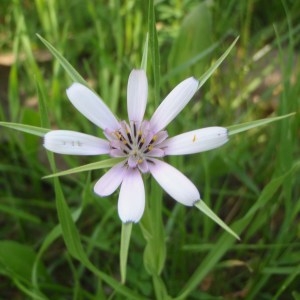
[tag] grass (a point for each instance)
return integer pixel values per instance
(252, 182)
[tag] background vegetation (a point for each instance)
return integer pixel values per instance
(252, 182)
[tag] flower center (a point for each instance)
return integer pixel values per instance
(137, 142)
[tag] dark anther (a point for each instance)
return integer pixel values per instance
(150, 161)
(127, 145)
(129, 137)
(139, 137)
(141, 143)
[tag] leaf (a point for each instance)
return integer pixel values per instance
(190, 62)
(154, 232)
(125, 240)
(18, 213)
(145, 54)
(17, 259)
(39, 131)
(209, 72)
(64, 63)
(72, 240)
(92, 166)
(207, 211)
(154, 50)
(196, 35)
(234, 129)
(225, 241)
(54, 234)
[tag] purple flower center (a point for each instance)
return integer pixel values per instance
(137, 142)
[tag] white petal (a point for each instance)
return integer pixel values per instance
(196, 141)
(137, 92)
(131, 202)
(177, 185)
(174, 103)
(75, 143)
(110, 181)
(91, 106)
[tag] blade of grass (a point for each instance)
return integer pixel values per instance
(64, 63)
(145, 54)
(153, 45)
(125, 241)
(92, 166)
(234, 129)
(226, 241)
(39, 131)
(208, 212)
(211, 70)
(72, 240)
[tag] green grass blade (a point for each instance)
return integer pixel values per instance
(209, 72)
(234, 129)
(64, 63)
(208, 212)
(39, 131)
(226, 241)
(72, 240)
(125, 241)
(18, 259)
(154, 51)
(92, 166)
(145, 54)
(27, 217)
(190, 62)
(52, 236)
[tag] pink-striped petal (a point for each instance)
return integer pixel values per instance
(92, 106)
(137, 92)
(173, 104)
(75, 143)
(177, 185)
(110, 181)
(195, 141)
(131, 202)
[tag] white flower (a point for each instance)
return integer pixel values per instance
(141, 143)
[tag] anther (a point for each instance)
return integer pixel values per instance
(127, 145)
(148, 149)
(154, 138)
(134, 130)
(139, 136)
(150, 161)
(142, 141)
(129, 137)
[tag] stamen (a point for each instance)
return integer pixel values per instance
(154, 138)
(119, 136)
(148, 149)
(127, 145)
(150, 161)
(139, 136)
(141, 143)
(134, 130)
(129, 137)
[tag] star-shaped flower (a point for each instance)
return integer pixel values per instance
(141, 143)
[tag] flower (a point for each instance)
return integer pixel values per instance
(141, 143)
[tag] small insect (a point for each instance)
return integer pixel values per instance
(194, 138)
